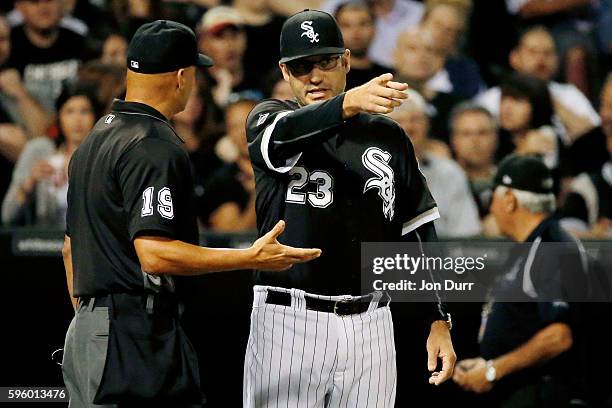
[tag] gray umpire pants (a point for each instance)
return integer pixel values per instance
(85, 354)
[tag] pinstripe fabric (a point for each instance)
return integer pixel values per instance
(303, 358)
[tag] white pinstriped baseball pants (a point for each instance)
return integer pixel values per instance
(297, 357)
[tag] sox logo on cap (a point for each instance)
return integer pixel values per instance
(309, 31)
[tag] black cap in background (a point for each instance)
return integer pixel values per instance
(527, 173)
(164, 46)
(310, 32)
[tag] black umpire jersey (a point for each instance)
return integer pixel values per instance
(336, 183)
(129, 177)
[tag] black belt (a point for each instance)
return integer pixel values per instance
(161, 303)
(339, 307)
(99, 301)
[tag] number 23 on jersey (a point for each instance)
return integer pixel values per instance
(300, 178)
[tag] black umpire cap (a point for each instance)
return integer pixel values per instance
(164, 46)
(310, 32)
(527, 173)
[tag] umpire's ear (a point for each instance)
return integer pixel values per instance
(181, 78)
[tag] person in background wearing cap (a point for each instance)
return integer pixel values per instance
(525, 343)
(131, 225)
(340, 175)
(222, 36)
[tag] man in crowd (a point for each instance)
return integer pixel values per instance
(43, 52)
(587, 209)
(228, 203)
(474, 142)
(356, 22)
(417, 60)
(392, 18)
(262, 27)
(535, 55)
(21, 116)
(221, 35)
(527, 325)
(447, 181)
(446, 21)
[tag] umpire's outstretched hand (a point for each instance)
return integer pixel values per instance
(379, 95)
(270, 255)
(440, 346)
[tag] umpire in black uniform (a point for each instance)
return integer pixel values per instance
(130, 225)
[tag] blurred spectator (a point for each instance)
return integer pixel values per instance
(186, 123)
(535, 55)
(604, 33)
(356, 21)
(43, 52)
(114, 50)
(16, 104)
(222, 37)
(201, 125)
(392, 18)
(131, 14)
(417, 62)
(490, 19)
(525, 119)
(289, 8)
(474, 141)
(446, 21)
(87, 14)
(107, 80)
(15, 18)
(282, 91)
(37, 194)
(447, 181)
(228, 203)
(587, 209)
(262, 28)
(571, 23)
(276, 87)
(20, 115)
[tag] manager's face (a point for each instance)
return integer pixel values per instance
(317, 78)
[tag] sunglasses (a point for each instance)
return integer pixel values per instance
(302, 66)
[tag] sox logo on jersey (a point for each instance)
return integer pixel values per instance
(377, 161)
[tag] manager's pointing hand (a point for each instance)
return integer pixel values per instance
(379, 95)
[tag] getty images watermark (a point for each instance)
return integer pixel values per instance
(411, 265)
(476, 271)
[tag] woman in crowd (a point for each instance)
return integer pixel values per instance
(37, 194)
(526, 115)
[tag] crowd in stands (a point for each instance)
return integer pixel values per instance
(487, 78)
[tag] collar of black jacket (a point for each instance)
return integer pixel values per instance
(137, 107)
(142, 109)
